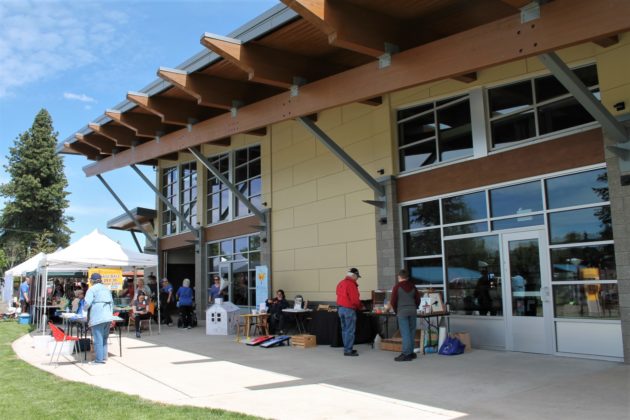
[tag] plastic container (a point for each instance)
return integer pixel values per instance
(24, 319)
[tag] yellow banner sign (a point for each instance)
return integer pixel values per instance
(112, 277)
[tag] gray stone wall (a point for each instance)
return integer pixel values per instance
(388, 253)
(620, 209)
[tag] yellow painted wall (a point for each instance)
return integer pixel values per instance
(320, 225)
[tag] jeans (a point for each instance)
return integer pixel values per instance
(407, 327)
(100, 333)
(348, 319)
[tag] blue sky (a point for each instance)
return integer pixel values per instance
(77, 58)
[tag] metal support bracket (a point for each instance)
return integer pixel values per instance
(205, 162)
(347, 160)
(170, 206)
(149, 237)
(295, 87)
(614, 129)
(530, 12)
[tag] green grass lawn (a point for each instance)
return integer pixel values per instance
(28, 393)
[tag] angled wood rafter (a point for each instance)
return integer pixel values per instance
(210, 91)
(90, 152)
(267, 65)
(171, 111)
(607, 41)
(122, 136)
(105, 145)
(563, 23)
(143, 125)
(467, 77)
(350, 26)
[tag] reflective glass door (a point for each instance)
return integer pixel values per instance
(528, 294)
(235, 275)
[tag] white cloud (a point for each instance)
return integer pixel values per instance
(81, 97)
(41, 39)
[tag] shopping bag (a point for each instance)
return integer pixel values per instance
(451, 347)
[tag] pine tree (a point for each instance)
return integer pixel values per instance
(33, 218)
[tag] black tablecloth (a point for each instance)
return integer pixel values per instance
(327, 328)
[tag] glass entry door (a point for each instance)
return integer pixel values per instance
(235, 275)
(528, 294)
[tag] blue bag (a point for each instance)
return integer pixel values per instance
(452, 346)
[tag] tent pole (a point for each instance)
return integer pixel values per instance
(43, 322)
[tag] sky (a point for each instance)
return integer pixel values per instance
(77, 58)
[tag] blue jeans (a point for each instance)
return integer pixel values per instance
(348, 319)
(100, 333)
(407, 327)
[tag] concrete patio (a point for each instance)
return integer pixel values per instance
(186, 367)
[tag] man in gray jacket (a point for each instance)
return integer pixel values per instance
(100, 303)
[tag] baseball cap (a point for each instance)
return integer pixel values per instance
(95, 276)
(355, 272)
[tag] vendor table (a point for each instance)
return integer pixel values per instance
(298, 315)
(327, 328)
(426, 317)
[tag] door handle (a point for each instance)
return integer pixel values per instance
(544, 294)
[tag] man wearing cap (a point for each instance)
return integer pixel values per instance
(99, 301)
(348, 301)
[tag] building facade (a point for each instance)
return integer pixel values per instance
(493, 186)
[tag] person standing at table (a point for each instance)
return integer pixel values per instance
(100, 303)
(185, 303)
(166, 302)
(25, 295)
(405, 300)
(140, 308)
(348, 301)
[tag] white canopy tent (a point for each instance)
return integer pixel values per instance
(94, 250)
(21, 269)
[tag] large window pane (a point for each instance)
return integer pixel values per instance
(426, 271)
(455, 132)
(417, 156)
(421, 215)
(473, 276)
(417, 129)
(562, 114)
(518, 222)
(424, 242)
(585, 225)
(406, 113)
(584, 263)
(512, 129)
(507, 99)
(464, 229)
(516, 199)
(577, 189)
(548, 87)
(463, 208)
(591, 300)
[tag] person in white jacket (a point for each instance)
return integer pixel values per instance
(100, 303)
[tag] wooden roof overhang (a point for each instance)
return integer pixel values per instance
(319, 54)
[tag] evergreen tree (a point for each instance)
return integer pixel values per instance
(33, 218)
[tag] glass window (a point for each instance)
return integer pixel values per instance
(188, 194)
(512, 129)
(423, 242)
(585, 225)
(562, 114)
(463, 208)
(427, 271)
(584, 263)
(589, 300)
(455, 132)
(518, 222)
(516, 199)
(418, 155)
(170, 192)
(473, 276)
(464, 229)
(577, 189)
(420, 128)
(508, 99)
(421, 215)
(218, 199)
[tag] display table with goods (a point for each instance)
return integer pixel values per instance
(326, 327)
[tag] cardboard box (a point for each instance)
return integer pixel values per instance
(395, 343)
(303, 341)
(464, 337)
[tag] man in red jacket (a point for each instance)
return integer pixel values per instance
(348, 302)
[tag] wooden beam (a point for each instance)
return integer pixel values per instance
(103, 144)
(259, 132)
(350, 26)
(85, 149)
(122, 136)
(563, 23)
(607, 41)
(143, 125)
(267, 65)
(517, 4)
(467, 77)
(171, 111)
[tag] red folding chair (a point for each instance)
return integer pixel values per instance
(61, 337)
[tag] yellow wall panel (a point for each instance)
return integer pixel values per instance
(361, 252)
(325, 164)
(337, 184)
(355, 205)
(296, 282)
(281, 138)
(329, 118)
(293, 155)
(353, 111)
(295, 196)
(320, 257)
(281, 179)
(347, 230)
(282, 219)
(283, 260)
(320, 211)
(300, 237)
(614, 68)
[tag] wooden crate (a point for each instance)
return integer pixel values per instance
(395, 343)
(303, 341)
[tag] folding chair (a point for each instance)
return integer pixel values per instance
(61, 337)
(132, 321)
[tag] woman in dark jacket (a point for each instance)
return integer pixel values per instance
(276, 305)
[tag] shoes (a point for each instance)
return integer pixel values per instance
(352, 353)
(137, 335)
(403, 358)
(96, 362)
(414, 355)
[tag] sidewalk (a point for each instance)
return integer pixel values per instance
(186, 367)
